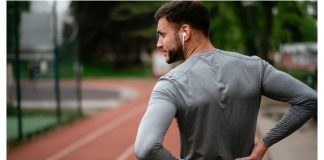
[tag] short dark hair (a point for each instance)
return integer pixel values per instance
(193, 13)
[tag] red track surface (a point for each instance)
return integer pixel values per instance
(107, 135)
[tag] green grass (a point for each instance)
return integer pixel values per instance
(35, 121)
(31, 125)
(91, 70)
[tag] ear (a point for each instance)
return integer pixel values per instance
(186, 31)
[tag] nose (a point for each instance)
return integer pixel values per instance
(159, 43)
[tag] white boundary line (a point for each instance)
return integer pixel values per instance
(127, 153)
(94, 135)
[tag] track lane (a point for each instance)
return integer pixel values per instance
(107, 144)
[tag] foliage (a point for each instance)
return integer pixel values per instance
(115, 31)
(257, 28)
(292, 23)
(119, 31)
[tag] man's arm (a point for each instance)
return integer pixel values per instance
(154, 124)
(282, 87)
(303, 100)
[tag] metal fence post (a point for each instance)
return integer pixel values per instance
(17, 69)
(79, 74)
(56, 67)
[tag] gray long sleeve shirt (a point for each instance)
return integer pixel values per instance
(215, 97)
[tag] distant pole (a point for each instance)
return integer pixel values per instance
(56, 67)
(79, 74)
(79, 67)
(17, 68)
(74, 40)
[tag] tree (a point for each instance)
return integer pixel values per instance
(115, 31)
(257, 28)
(118, 31)
(293, 23)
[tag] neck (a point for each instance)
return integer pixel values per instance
(197, 45)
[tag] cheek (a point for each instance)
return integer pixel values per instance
(169, 42)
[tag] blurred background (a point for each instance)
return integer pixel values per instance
(54, 46)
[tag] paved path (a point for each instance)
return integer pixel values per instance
(107, 135)
(110, 135)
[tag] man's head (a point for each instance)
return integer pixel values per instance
(176, 22)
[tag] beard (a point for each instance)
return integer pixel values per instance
(177, 53)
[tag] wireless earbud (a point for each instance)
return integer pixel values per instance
(183, 37)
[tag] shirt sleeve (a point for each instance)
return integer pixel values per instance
(280, 86)
(154, 125)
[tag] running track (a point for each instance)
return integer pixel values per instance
(108, 135)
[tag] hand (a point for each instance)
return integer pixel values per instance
(258, 152)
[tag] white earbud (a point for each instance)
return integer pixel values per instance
(183, 37)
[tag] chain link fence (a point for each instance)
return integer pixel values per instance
(43, 71)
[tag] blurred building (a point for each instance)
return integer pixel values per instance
(36, 38)
(36, 35)
(297, 56)
(37, 29)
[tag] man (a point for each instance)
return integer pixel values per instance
(214, 95)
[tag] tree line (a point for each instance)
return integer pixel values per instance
(119, 31)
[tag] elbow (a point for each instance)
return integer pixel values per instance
(143, 149)
(140, 152)
(312, 101)
(308, 102)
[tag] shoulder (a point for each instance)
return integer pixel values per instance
(238, 56)
(164, 89)
(164, 83)
(235, 58)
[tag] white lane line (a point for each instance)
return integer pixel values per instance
(127, 153)
(95, 134)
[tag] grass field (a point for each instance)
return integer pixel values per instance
(31, 125)
(35, 121)
(89, 70)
